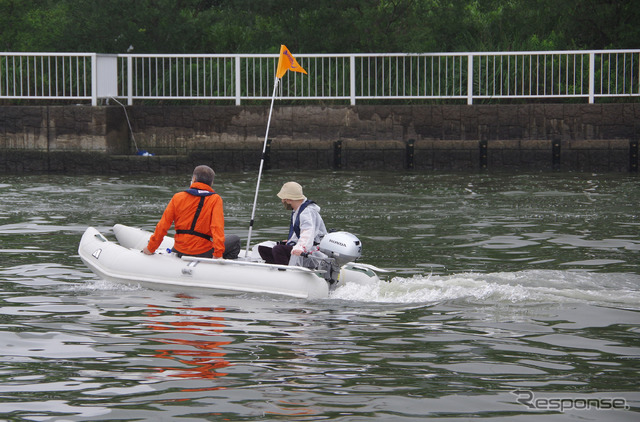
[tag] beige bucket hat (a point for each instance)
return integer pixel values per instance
(291, 190)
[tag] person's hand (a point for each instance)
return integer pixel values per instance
(297, 252)
(146, 251)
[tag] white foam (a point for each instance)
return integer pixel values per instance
(102, 285)
(508, 287)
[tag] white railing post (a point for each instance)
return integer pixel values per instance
(352, 78)
(470, 79)
(129, 80)
(94, 79)
(238, 90)
(592, 76)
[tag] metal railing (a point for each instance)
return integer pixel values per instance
(38, 76)
(478, 76)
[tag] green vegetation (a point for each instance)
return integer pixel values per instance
(318, 26)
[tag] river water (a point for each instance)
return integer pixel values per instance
(510, 297)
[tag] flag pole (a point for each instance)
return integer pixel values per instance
(264, 149)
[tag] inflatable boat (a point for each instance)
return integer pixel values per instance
(123, 262)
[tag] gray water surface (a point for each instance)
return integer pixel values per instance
(510, 297)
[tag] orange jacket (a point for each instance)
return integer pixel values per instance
(181, 211)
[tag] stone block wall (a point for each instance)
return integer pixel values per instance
(63, 128)
(68, 139)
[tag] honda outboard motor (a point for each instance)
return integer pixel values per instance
(337, 249)
(341, 246)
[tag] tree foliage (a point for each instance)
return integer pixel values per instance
(318, 26)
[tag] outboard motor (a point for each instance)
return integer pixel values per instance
(337, 249)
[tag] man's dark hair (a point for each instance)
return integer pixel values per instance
(204, 174)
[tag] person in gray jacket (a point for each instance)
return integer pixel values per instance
(306, 228)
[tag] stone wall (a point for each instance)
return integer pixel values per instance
(83, 139)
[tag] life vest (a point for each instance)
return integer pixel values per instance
(202, 194)
(294, 227)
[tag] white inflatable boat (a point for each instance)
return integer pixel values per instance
(123, 262)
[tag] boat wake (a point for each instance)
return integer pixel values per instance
(523, 287)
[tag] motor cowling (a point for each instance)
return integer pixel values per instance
(343, 247)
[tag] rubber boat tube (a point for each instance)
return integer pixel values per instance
(123, 262)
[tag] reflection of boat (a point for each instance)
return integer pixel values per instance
(123, 262)
(197, 356)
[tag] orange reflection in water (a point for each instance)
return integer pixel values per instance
(291, 409)
(202, 357)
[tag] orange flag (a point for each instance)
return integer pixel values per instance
(287, 62)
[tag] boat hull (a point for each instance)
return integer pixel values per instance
(123, 262)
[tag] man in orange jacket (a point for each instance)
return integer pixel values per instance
(199, 221)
